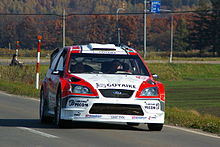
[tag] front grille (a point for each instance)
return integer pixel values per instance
(116, 93)
(121, 109)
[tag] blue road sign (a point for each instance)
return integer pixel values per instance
(155, 7)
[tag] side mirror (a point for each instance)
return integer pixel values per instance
(57, 72)
(155, 76)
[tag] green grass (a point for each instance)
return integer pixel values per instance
(192, 119)
(19, 88)
(202, 95)
(186, 72)
(20, 81)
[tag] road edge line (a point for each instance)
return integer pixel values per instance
(37, 132)
(193, 131)
(19, 96)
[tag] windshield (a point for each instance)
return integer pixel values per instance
(107, 64)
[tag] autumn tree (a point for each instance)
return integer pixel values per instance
(181, 36)
(200, 36)
(214, 26)
(95, 28)
(158, 37)
(27, 32)
(10, 36)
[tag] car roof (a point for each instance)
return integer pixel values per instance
(95, 48)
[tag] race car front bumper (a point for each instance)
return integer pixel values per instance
(113, 110)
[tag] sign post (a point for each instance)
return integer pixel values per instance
(38, 61)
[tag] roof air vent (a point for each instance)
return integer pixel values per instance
(96, 46)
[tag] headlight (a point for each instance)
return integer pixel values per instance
(81, 89)
(152, 91)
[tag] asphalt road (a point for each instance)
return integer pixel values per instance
(20, 127)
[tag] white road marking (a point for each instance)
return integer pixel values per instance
(192, 131)
(30, 98)
(19, 96)
(5, 93)
(38, 132)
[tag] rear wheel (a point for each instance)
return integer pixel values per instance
(43, 108)
(155, 127)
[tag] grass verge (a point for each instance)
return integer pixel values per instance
(19, 88)
(20, 81)
(192, 119)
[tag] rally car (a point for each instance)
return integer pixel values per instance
(101, 83)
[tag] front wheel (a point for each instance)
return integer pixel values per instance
(132, 124)
(155, 127)
(58, 121)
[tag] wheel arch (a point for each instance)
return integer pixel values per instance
(162, 91)
(64, 87)
(59, 89)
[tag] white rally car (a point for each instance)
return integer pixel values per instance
(101, 83)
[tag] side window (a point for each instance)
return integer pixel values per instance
(53, 55)
(61, 62)
(54, 62)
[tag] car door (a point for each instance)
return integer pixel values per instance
(54, 79)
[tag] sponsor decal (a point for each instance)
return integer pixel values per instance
(106, 52)
(93, 116)
(100, 85)
(117, 117)
(142, 77)
(117, 92)
(138, 117)
(152, 106)
(115, 85)
(152, 117)
(78, 103)
(77, 114)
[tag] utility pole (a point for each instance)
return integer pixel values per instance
(171, 42)
(64, 28)
(145, 28)
(154, 8)
(171, 34)
(118, 28)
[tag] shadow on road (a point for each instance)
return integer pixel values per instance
(29, 123)
(35, 123)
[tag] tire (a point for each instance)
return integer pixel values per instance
(155, 127)
(58, 121)
(132, 124)
(43, 108)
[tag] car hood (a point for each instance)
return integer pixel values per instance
(108, 81)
